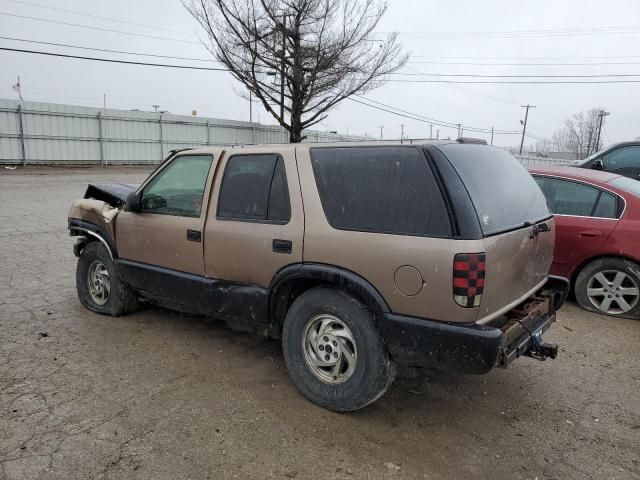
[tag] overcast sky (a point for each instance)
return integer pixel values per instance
(462, 50)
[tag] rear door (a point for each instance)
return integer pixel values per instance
(623, 161)
(255, 224)
(585, 217)
(516, 224)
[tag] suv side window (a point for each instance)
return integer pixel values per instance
(623, 157)
(571, 198)
(254, 188)
(178, 189)
(380, 189)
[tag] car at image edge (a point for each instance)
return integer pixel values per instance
(622, 158)
(597, 216)
(358, 256)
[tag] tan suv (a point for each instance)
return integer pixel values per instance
(359, 256)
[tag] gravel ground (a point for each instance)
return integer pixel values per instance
(161, 395)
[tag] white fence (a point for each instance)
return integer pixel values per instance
(529, 161)
(48, 133)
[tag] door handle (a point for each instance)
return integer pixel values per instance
(194, 235)
(282, 246)
(590, 233)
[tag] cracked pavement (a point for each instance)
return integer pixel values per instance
(159, 395)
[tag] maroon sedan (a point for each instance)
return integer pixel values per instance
(597, 217)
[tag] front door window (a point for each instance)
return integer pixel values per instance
(179, 188)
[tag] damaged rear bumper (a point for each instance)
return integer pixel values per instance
(474, 348)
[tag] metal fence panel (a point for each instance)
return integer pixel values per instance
(69, 134)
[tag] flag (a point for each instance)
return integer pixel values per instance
(16, 88)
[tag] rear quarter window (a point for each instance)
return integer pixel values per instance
(503, 192)
(380, 189)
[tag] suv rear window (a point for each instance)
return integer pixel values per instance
(380, 189)
(503, 192)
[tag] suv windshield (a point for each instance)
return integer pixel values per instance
(504, 193)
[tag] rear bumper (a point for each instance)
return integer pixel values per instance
(474, 348)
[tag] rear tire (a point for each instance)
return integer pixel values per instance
(333, 351)
(99, 285)
(610, 286)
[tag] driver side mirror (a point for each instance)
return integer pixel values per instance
(597, 164)
(133, 203)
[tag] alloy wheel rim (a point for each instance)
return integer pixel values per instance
(613, 292)
(99, 283)
(329, 349)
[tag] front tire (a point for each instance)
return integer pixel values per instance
(333, 351)
(610, 286)
(99, 285)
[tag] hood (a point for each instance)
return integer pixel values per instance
(115, 194)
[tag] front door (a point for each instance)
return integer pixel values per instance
(162, 246)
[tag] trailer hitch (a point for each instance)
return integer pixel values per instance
(542, 350)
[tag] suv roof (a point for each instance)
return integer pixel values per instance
(284, 146)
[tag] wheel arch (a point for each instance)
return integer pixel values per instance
(573, 276)
(91, 232)
(293, 280)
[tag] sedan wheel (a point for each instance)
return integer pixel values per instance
(610, 286)
(613, 292)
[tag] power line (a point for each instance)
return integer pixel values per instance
(123, 52)
(616, 30)
(191, 67)
(449, 57)
(537, 82)
(441, 123)
(128, 62)
(68, 24)
(526, 64)
(482, 75)
(66, 45)
(75, 12)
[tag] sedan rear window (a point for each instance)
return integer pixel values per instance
(627, 184)
(504, 194)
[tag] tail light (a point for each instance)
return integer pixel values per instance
(468, 279)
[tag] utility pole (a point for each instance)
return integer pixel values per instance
(401, 131)
(459, 126)
(602, 114)
(524, 125)
(438, 134)
(104, 100)
(491, 135)
(381, 127)
(430, 131)
(155, 107)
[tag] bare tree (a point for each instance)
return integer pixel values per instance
(300, 58)
(579, 134)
